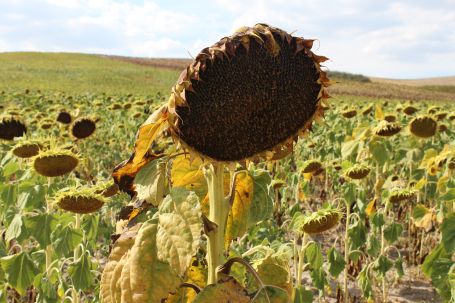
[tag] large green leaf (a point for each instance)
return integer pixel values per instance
(150, 182)
(262, 204)
(16, 228)
(382, 265)
(314, 256)
(179, 228)
(65, 240)
(336, 262)
(448, 233)
(20, 271)
(302, 295)
(392, 232)
(80, 272)
(349, 149)
(379, 151)
(40, 227)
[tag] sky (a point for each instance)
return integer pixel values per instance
(393, 39)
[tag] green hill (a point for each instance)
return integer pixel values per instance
(81, 73)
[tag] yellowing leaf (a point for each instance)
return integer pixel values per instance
(179, 229)
(188, 174)
(225, 291)
(420, 184)
(441, 186)
(371, 207)
(237, 222)
(149, 182)
(274, 271)
(378, 113)
(148, 132)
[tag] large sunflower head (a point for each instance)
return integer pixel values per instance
(386, 129)
(247, 94)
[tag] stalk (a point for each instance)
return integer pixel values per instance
(48, 249)
(346, 253)
(301, 256)
(219, 210)
(77, 226)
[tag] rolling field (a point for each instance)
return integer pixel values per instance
(362, 209)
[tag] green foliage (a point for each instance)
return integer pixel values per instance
(20, 271)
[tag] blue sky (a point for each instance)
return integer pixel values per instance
(395, 39)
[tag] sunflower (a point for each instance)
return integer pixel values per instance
(27, 148)
(321, 220)
(83, 128)
(358, 171)
(423, 126)
(55, 162)
(11, 127)
(386, 129)
(248, 96)
(80, 200)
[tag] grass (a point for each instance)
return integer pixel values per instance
(81, 73)
(440, 88)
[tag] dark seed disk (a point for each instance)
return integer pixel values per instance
(83, 128)
(250, 101)
(9, 129)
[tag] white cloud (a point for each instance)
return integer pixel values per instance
(381, 38)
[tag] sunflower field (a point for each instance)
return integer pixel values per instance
(169, 197)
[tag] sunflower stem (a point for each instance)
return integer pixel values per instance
(48, 249)
(346, 252)
(77, 226)
(219, 210)
(301, 257)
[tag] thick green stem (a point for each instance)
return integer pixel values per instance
(346, 253)
(219, 210)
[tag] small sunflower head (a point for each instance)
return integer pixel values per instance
(55, 162)
(423, 126)
(64, 117)
(367, 110)
(433, 109)
(386, 129)
(400, 194)
(27, 148)
(107, 189)
(311, 166)
(390, 118)
(46, 123)
(410, 110)
(11, 127)
(451, 164)
(441, 115)
(357, 171)
(321, 220)
(443, 128)
(451, 117)
(349, 113)
(80, 200)
(83, 128)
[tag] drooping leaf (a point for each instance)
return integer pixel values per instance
(79, 272)
(65, 240)
(302, 295)
(15, 228)
(40, 227)
(239, 215)
(149, 182)
(382, 265)
(151, 280)
(379, 152)
(179, 228)
(365, 283)
(336, 262)
(422, 216)
(392, 232)
(20, 271)
(314, 256)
